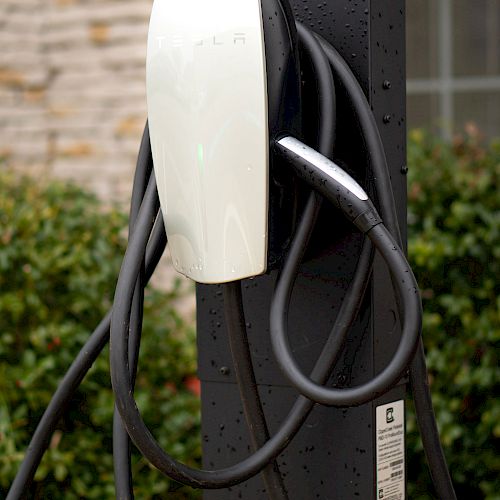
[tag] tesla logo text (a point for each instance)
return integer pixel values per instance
(212, 41)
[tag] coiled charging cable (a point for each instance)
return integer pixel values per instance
(146, 244)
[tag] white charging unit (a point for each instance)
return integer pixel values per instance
(207, 111)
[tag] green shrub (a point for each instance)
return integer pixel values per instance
(60, 253)
(454, 246)
(59, 258)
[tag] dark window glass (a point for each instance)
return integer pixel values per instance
(476, 37)
(421, 38)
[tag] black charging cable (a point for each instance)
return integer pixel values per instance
(123, 391)
(301, 409)
(122, 309)
(379, 385)
(418, 370)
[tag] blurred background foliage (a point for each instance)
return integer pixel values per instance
(454, 246)
(59, 257)
(60, 253)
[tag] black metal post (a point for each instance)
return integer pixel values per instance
(334, 456)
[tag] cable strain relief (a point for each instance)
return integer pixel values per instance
(367, 220)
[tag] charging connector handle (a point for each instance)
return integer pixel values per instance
(331, 181)
(340, 189)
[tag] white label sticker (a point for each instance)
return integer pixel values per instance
(391, 451)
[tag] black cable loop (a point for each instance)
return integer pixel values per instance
(98, 340)
(390, 375)
(143, 439)
(426, 418)
(254, 463)
(299, 412)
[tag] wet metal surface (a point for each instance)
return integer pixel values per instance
(332, 457)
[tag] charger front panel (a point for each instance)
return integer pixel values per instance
(208, 120)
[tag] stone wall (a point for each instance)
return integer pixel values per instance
(73, 98)
(72, 89)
